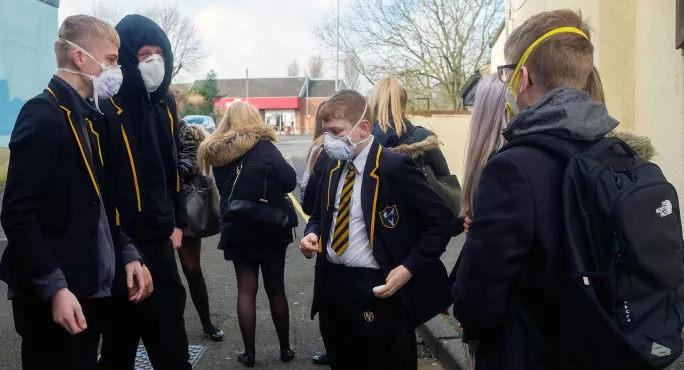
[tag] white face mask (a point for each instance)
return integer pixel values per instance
(152, 72)
(342, 148)
(106, 85)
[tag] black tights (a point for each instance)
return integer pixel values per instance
(273, 272)
(189, 254)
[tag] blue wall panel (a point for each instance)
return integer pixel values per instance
(28, 30)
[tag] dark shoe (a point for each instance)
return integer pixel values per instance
(214, 333)
(321, 359)
(246, 359)
(287, 355)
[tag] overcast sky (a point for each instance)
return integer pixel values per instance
(262, 35)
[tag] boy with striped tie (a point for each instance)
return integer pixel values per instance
(378, 229)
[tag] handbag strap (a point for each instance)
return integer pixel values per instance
(237, 175)
(240, 168)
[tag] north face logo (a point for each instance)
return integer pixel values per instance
(665, 209)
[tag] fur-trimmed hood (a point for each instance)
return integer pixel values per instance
(641, 144)
(418, 149)
(220, 149)
(195, 133)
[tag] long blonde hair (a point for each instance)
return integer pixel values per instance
(488, 119)
(388, 102)
(239, 116)
(317, 145)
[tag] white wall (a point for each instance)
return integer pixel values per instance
(452, 131)
(659, 99)
(498, 51)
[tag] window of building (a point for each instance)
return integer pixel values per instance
(680, 24)
(280, 118)
(54, 3)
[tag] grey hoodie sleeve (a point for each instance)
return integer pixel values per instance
(305, 182)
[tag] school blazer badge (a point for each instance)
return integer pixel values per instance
(389, 217)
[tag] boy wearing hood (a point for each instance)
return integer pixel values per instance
(58, 212)
(512, 252)
(140, 134)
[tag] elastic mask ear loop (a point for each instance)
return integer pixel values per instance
(365, 109)
(102, 66)
(515, 78)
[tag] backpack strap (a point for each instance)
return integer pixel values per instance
(548, 143)
(607, 144)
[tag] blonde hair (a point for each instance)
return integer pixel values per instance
(564, 59)
(388, 102)
(317, 145)
(239, 116)
(82, 30)
(488, 119)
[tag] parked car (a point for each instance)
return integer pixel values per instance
(206, 121)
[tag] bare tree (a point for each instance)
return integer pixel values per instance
(186, 44)
(351, 72)
(433, 46)
(107, 11)
(293, 68)
(316, 66)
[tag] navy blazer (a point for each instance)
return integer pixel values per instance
(511, 262)
(416, 238)
(51, 206)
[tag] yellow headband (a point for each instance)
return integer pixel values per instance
(516, 74)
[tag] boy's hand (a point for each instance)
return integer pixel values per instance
(149, 287)
(396, 279)
(135, 281)
(67, 312)
(177, 238)
(309, 245)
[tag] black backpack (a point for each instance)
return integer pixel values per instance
(622, 293)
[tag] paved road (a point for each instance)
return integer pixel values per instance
(220, 278)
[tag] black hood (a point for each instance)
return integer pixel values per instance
(390, 139)
(135, 32)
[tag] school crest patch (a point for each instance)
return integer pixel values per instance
(369, 316)
(389, 217)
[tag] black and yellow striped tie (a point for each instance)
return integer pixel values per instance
(340, 240)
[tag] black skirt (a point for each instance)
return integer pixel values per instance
(244, 241)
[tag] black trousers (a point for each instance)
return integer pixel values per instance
(361, 331)
(46, 345)
(158, 320)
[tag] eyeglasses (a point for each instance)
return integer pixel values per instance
(506, 71)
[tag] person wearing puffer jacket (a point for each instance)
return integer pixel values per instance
(190, 139)
(389, 102)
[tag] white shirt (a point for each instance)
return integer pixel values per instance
(359, 252)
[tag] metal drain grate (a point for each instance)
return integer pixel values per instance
(142, 360)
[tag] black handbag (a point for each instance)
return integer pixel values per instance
(449, 189)
(257, 197)
(293, 219)
(203, 208)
